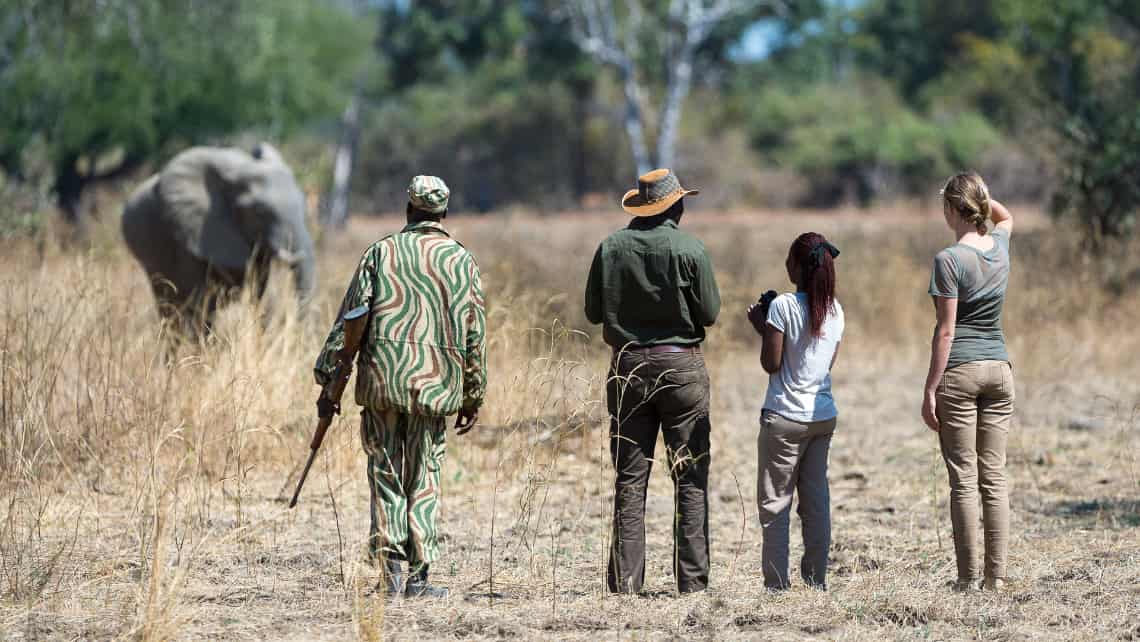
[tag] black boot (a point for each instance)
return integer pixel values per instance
(418, 585)
(392, 578)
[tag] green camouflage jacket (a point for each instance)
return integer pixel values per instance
(424, 351)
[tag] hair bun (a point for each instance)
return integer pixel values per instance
(968, 195)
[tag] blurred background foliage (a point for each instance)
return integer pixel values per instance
(818, 103)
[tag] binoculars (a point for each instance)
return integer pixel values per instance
(766, 299)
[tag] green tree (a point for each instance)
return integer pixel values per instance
(492, 95)
(1085, 57)
(107, 86)
(914, 42)
(859, 141)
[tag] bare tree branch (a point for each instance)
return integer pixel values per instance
(689, 23)
(594, 28)
(593, 31)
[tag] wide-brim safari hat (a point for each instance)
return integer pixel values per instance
(656, 192)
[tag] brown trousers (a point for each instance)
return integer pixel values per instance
(975, 406)
(647, 392)
(792, 458)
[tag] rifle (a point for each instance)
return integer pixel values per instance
(328, 404)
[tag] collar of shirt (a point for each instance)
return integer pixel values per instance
(651, 222)
(425, 226)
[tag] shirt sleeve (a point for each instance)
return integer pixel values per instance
(594, 307)
(778, 313)
(360, 292)
(705, 290)
(475, 345)
(944, 276)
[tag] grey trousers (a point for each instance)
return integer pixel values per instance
(792, 457)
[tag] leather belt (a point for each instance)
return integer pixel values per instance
(658, 349)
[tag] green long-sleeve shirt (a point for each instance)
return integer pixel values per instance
(424, 350)
(652, 284)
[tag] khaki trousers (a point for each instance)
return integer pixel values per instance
(975, 406)
(792, 457)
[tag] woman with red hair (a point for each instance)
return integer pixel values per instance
(801, 333)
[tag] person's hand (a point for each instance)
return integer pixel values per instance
(929, 414)
(757, 315)
(466, 420)
(758, 312)
(326, 407)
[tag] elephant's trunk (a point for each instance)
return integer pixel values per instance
(291, 245)
(305, 276)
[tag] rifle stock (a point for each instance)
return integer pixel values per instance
(355, 321)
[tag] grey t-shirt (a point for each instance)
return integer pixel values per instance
(978, 280)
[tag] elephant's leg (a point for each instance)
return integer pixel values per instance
(213, 298)
(188, 288)
(258, 279)
(222, 287)
(166, 300)
(260, 273)
(149, 239)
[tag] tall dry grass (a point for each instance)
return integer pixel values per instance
(142, 492)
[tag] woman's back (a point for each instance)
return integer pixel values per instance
(801, 389)
(978, 280)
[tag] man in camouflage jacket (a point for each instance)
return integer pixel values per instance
(422, 359)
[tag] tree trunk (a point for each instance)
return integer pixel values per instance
(69, 186)
(680, 82)
(336, 214)
(634, 125)
(579, 178)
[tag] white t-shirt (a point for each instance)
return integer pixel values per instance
(801, 389)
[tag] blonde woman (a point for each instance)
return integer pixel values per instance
(968, 399)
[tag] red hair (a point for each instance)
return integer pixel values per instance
(814, 257)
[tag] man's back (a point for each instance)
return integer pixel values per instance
(652, 284)
(423, 351)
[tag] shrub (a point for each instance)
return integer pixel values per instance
(860, 143)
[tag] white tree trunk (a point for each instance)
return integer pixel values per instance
(680, 82)
(336, 215)
(634, 122)
(596, 29)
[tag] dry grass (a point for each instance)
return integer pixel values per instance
(142, 498)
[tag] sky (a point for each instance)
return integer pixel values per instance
(761, 37)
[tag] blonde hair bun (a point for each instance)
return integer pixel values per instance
(967, 194)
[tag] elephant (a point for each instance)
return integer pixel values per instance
(212, 219)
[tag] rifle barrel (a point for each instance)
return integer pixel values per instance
(355, 321)
(304, 474)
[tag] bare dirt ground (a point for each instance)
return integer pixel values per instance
(143, 498)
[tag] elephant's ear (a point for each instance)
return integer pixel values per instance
(198, 188)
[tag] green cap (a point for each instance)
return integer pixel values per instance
(429, 193)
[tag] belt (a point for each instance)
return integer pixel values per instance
(658, 349)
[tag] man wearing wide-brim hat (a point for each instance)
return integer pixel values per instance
(652, 288)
